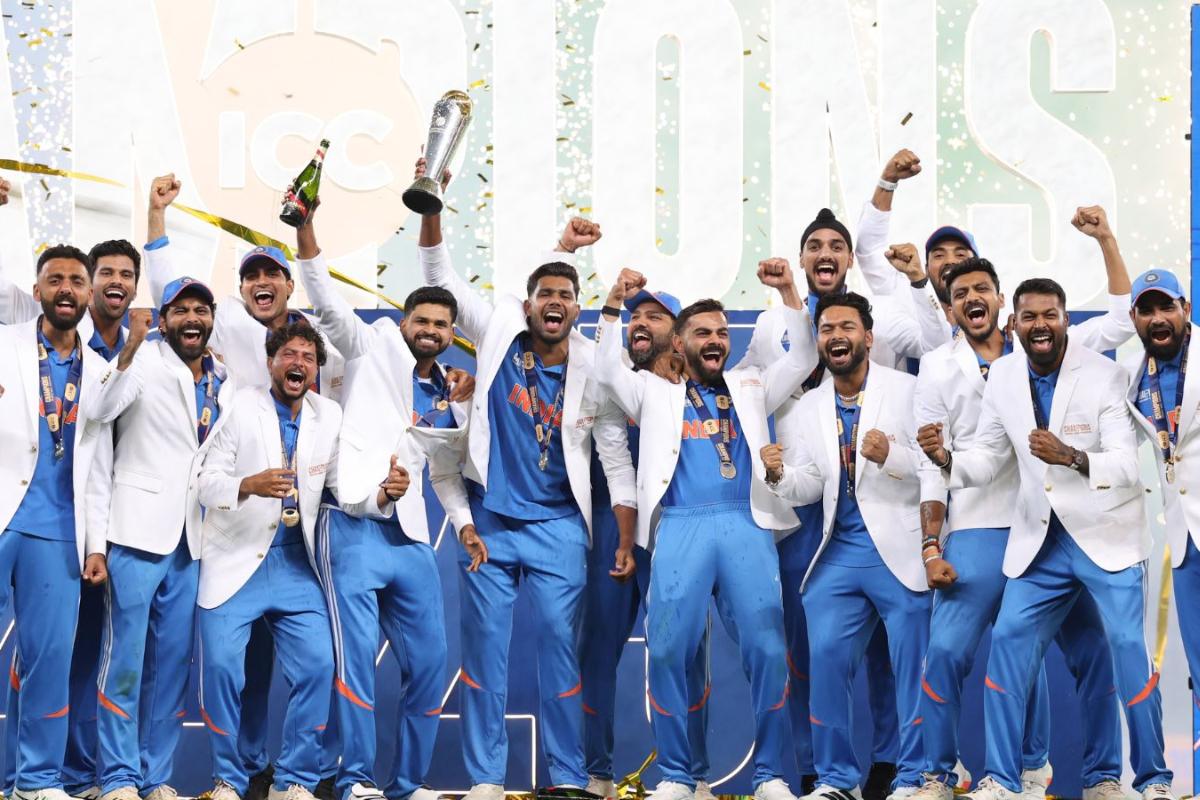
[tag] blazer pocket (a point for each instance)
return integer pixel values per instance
(138, 480)
(1080, 430)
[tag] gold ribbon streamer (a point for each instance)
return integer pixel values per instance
(243, 232)
(631, 787)
(1164, 609)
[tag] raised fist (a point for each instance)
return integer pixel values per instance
(907, 260)
(163, 191)
(579, 233)
(776, 273)
(904, 164)
(1092, 221)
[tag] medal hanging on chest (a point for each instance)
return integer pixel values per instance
(719, 430)
(290, 515)
(543, 423)
(59, 414)
(1166, 431)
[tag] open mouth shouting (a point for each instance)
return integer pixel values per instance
(191, 336)
(115, 297)
(295, 380)
(640, 340)
(712, 356)
(1041, 341)
(977, 312)
(838, 353)
(1161, 333)
(553, 320)
(65, 306)
(264, 299)
(825, 273)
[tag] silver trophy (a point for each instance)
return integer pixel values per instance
(451, 115)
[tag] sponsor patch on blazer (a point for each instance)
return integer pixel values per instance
(1077, 427)
(751, 382)
(337, 381)
(318, 469)
(584, 422)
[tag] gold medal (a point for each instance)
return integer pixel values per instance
(290, 517)
(206, 416)
(712, 427)
(52, 422)
(728, 470)
(528, 360)
(1170, 472)
(69, 393)
(723, 401)
(442, 405)
(541, 436)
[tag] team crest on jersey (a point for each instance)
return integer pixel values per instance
(785, 342)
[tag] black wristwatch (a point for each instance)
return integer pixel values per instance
(1077, 459)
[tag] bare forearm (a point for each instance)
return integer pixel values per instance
(156, 224)
(1114, 267)
(306, 241)
(431, 231)
(933, 516)
(626, 526)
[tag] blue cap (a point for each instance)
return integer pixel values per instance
(950, 232)
(1157, 280)
(175, 288)
(272, 254)
(668, 301)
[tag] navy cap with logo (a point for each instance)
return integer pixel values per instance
(668, 301)
(1157, 280)
(949, 232)
(264, 255)
(185, 286)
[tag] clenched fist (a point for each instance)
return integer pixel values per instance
(776, 273)
(905, 258)
(163, 191)
(395, 484)
(462, 385)
(5, 188)
(929, 439)
(627, 284)
(904, 164)
(940, 573)
(875, 446)
(1092, 221)
(772, 458)
(579, 233)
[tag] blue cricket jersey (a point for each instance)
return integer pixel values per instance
(851, 544)
(697, 480)
(516, 486)
(426, 393)
(1168, 382)
(289, 431)
(1043, 388)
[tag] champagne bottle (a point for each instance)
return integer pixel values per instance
(299, 200)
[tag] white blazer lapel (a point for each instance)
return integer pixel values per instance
(578, 366)
(827, 417)
(965, 357)
(272, 441)
(27, 359)
(1191, 395)
(868, 418)
(306, 440)
(1068, 376)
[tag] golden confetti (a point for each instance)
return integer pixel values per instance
(567, 101)
(476, 84)
(240, 46)
(766, 87)
(1166, 98)
(907, 117)
(473, 279)
(745, 52)
(488, 286)
(585, 209)
(659, 190)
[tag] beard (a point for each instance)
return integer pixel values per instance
(52, 314)
(188, 351)
(858, 354)
(644, 358)
(1165, 350)
(707, 374)
(422, 347)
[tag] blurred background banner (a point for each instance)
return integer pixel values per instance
(702, 135)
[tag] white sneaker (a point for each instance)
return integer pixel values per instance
(603, 787)
(360, 791)
(1106, 790)
(960, 769)
(703, 791)
(990, 789)
(420, 793)
(485, 791)
(122, 793)
(163, 792)
(1035, 782)
(49, 793)
(933, 790)
(903, 792)
(223, 791)
(1158, 791)
(669, 790)
(826, 792)
(774, 789)
(90, 793)
(292, 792)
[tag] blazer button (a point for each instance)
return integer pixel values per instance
(1045, 522)
(270, 526)
(24, 482)
(33, 448)
(664, 481)
(675, 451)
(1183, 490)
(1049, 487)
(260, 555)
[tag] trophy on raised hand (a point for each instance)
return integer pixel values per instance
(451, 115)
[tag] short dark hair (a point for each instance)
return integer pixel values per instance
(117, 247)
(951, 272)
(552, 269)
(435, 295)
(705, 306)
(300, 329)
(847, 300)
(64, 251)
(1039, 286)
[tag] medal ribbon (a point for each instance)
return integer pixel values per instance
(209, 409)
(1038, 417)
(441, 405)
(724, 427)
(291, 501)
(1166, 432)
(544, 432)
(848, 448)
(985, 368)
(59, 413)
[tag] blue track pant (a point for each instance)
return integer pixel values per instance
(961, 614)
(284, 589)
(844, 605)
(550, 558)
(1186, 579)
(700, 551)
(1034, 608)
(147, 658)
(79, 765)
(610, 612)
(376, 577)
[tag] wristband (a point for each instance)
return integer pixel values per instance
(886, 185)
(933, 557)
(930, 541)
(616, 312)
(919, 284)
(949, 461)
(565, 249)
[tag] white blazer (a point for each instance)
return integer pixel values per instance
(238, 533)
(1102, 511)
(377, 423)
(657, 405)
(155, 493)
(1181, 499)
(240, 339)
(20, 421)
(888, 494)
(586, 414)
(950, 391)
